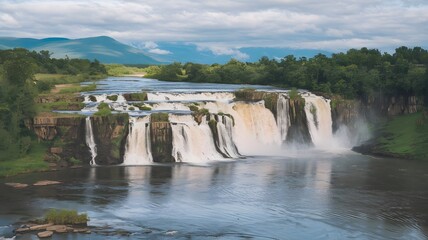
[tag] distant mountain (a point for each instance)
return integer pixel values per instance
(105, 49)
(108, 50)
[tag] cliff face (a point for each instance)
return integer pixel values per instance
(298, 131)
(161, 142)
(67, 137)
(346, 112)
(395, 105)
(110, 134)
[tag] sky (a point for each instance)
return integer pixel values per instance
(225, 25)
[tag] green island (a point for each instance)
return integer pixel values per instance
(30, 80)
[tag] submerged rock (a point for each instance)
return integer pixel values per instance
(45, 234)
(45, 183)
(22, 230)
(17, 185)
(57, 228)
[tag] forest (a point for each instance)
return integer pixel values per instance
(19, 87)
(352, 74)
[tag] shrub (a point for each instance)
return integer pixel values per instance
(92, 98)
(64, 216)
(138, 96)
(244, 94)
(103, 110)
(145, 108)
(193, 108)
(294, 94)
(159, 117)
(112, 98)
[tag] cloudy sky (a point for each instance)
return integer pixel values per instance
(225, 24)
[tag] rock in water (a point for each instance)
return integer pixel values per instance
(45, 183)
(40, 227)
(57, 228)
(22, 230)
(45, 234)
(17, 185)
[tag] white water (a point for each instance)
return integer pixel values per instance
(90, 141)
(255, 130)
(318, 113)
(192, 142)
(138, 147)
(204, 96)
(225, 138)
(283, 116)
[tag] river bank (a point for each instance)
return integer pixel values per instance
(404, 136)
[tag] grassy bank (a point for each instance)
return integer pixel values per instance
(66, 78)
(32, 162)
(122, 70)
(405, 136)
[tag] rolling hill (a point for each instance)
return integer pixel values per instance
(105, 49)
(109, 50)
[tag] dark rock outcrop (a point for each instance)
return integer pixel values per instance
(298, 132)
(110, 134)
(161, 142)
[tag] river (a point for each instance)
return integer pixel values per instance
(310, 195)
(322, 192)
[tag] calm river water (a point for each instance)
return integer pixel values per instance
(311, 195)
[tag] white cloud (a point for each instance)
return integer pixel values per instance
(227, 23)
(159, 51)
(219, 50)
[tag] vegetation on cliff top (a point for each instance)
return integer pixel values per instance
(19, 86)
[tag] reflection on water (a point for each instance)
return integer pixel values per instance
(318, 197)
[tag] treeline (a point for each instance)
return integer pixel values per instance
(18, 89)
(354, 74)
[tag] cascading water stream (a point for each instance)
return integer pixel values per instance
(138, 147)
(225, 137)
(318, 113)
(192, 142)
(283, 116)
(90, 141)
(255, 128)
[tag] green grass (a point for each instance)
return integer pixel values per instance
(406, 135)
(159, 117)
(78, 88)
(121, 70)
(64, 216)
(47, 107)
(32, 162)
(103, 110)
(65, 78)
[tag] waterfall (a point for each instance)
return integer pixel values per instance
(283, 116)
(203, 96)
(225, 137)
(255, 130)
(192, 142)
(138, 147)
(90, 141)
(318, 113)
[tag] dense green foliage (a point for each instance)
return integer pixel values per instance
(65, 217)
(103, 110)
(354, 74)
(19, 87)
